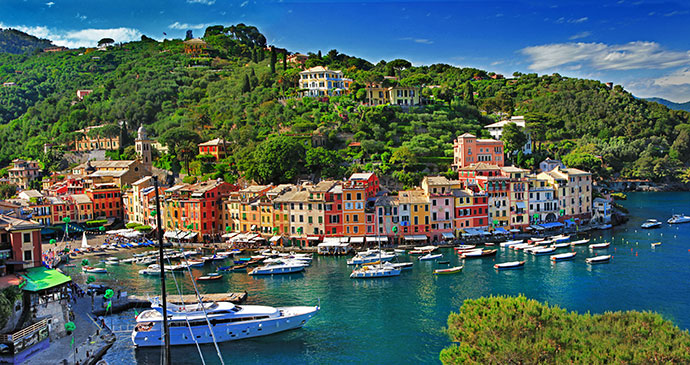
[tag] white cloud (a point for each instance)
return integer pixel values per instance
(185, 26)
(204, 2)
(580, 35)
(244, 3)
(79, 38)
(578, 20)
(417, 40)
(600, 56)
(81, 17)
(680, 77)
(50, 4)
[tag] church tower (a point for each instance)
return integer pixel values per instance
(143, 147)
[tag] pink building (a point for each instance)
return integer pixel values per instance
(468, 149)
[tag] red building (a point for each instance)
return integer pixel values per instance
(333, 214)
(471, 210)
(197, 206)
(20, 243)
(62, 209)
(468, 149)
(107, 200)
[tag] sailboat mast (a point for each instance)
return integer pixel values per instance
(159, 230)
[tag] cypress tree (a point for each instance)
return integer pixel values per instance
(469, 93)
(284, 60)
(273, 60)
(246, 87)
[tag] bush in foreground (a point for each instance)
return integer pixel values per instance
(517, 330)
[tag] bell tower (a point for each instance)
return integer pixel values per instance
(143, 147)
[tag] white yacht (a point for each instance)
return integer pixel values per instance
(153, 270)
(228, 322)
(678, 218)
(281, 267)
(651, 223)
(381, 270)
(370, 256)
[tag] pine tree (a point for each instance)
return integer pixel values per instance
(255, 56)
(273, 60)
(469, 93)
(284, 60)
(253, 80)
(246, 87)
(319, 54)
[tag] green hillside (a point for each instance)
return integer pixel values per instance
(232, 92)
(18, 42)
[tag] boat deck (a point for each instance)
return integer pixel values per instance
(235, 298)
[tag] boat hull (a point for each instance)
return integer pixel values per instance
(224, 332)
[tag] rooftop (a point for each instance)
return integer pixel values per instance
(479, 166)
(11, 223)
(361, 176)
(81, 198)
(214, 142)
(41, 278)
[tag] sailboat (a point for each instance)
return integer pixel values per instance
(167, 324)
(84, 241)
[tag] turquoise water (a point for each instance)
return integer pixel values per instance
(401, 320)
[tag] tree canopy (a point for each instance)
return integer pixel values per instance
(517, 330)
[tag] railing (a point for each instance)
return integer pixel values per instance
(24, 331)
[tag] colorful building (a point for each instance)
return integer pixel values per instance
(107, 201)
(439, 191)
(196, 207)
(320, 81)
(23, 172)
(468, 149)
(20, 243)
(215, 147)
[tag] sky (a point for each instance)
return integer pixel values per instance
(641, 45)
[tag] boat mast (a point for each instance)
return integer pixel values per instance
(159, 230)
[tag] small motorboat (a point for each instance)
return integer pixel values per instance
(599, 246)
(210, 276)
(507, 244)
(678, 218)
(651, 223)
(242, 267)
(560, 238)
(430, 256)
(94, 270)
(402, 265)
(128, 261)
(560, 245)
(605, 226)
(598, 259)
(463, 248)
(521, 246)
(542, 251)
(579, 242)
(563, 256)
(225, 268)
(510, 265)
(478, 254)
(450, 270)
(381, 270)
(655, 244)
(195, 263)
(151, 270)
(399, 250)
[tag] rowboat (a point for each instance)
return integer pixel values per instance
(521, 246)
(94, 270)
(598, 259)
(209, 277)
(450, 270)
(542, 251)
(598, 246)
(195, 263)
(579, 242)
(465, 247)
(655, 244)
(560, 245)
(478, 253)
(402, 265)
(563, 256)
(510, 265)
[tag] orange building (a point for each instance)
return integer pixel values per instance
(107, 200)
(356, 191)
(196, 207)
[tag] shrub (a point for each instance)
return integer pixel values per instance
(517, 330)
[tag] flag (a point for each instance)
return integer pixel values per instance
(136, 314)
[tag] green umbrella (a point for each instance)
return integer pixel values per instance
(395, 229)
(70, 326)
(108, 294)
(90, 279)
(101, 228)
(66, 219)
(190, 226)
(228, 229)
(84, 262)
(153, 213)
(53, 241)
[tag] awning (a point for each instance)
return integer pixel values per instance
(356, 239)
(230, 235)
(415, 238)
(550, 225)
(448, 235)
(377, 239)
(40, 278)
(313, 238)
(500, 230)
(514, 230)
(520, 205)
(275, 238)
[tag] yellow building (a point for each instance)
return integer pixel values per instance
(377, 94)
(321, 81)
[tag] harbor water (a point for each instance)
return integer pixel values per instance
(401, 319)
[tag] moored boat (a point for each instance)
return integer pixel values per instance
(94, 270)
(561, 245)
(563, 256)
(189, 324)
(450, 270)
(598, 246)
(542, 251)
(430, 256)
(380, 270)
(651, 223)
(655, 244)
(678, 218)
(462, 248)
(579, 242)
(277, 268)
(402, 265)
(510, 243)
(509, 265)
(598, 259)
(478, 254)
(210, 277)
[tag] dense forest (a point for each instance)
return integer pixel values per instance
(241, 90)
(18, 42)
(517, 330)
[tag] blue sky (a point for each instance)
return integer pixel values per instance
(642, 45)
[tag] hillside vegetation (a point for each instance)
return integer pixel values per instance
(18, 42)
(239, 90)
(517, 330)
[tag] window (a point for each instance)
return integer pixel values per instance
(28, 256)
(27, 237)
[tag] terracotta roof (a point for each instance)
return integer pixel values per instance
(468, 135)
(11, 223)
(214, 142)
(478, 166)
